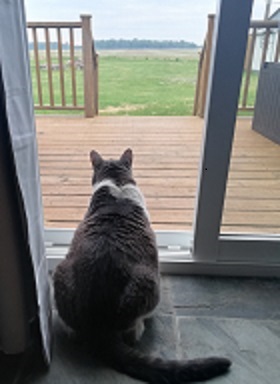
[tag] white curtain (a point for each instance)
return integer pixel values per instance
(19, 103)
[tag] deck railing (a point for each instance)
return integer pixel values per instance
(263, 46)
(64, 66)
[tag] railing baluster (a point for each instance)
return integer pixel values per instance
(206, 65)
(89, 66)
(37, 64)
(249, 62)
(198, 80)
(265, 45)
(72, 60)
(61, 67)
(95, 77)
(49, 65)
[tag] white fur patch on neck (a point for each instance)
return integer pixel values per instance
(127, 191)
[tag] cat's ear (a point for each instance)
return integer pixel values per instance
(96, 159)
(126, 158)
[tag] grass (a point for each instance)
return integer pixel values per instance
(147, 84)
(144, 82)
(254, 77)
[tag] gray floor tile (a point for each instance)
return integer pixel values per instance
(166, 303)
(252, 345)
(160, 337)
(226, 297)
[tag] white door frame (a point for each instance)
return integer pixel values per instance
(226, 68)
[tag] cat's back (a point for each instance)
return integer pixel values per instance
(115, 227)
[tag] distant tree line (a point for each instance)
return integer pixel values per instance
(142, 44)
(126, 44)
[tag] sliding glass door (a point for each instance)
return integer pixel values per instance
(244, 243)
(227, 237)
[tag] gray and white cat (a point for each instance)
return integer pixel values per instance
(109, 281)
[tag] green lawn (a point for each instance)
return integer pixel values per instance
(147, 85)
(144, 82)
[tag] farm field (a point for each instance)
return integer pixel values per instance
(132, 82)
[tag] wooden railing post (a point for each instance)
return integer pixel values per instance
(95, 78)
(204, 66)
(198, 80)
(88, 65)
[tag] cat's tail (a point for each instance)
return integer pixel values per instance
(131, 362)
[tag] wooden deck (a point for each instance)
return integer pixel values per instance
(166, 160)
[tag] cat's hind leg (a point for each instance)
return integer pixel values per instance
(64, 294)
(139, 298)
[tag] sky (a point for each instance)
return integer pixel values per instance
(142, 19)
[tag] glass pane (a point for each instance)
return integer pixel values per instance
(252, 201)
(253, 191)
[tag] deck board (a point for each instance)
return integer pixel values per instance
(166, 160)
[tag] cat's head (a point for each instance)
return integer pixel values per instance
(118, 171)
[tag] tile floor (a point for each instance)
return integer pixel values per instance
(198, 316)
